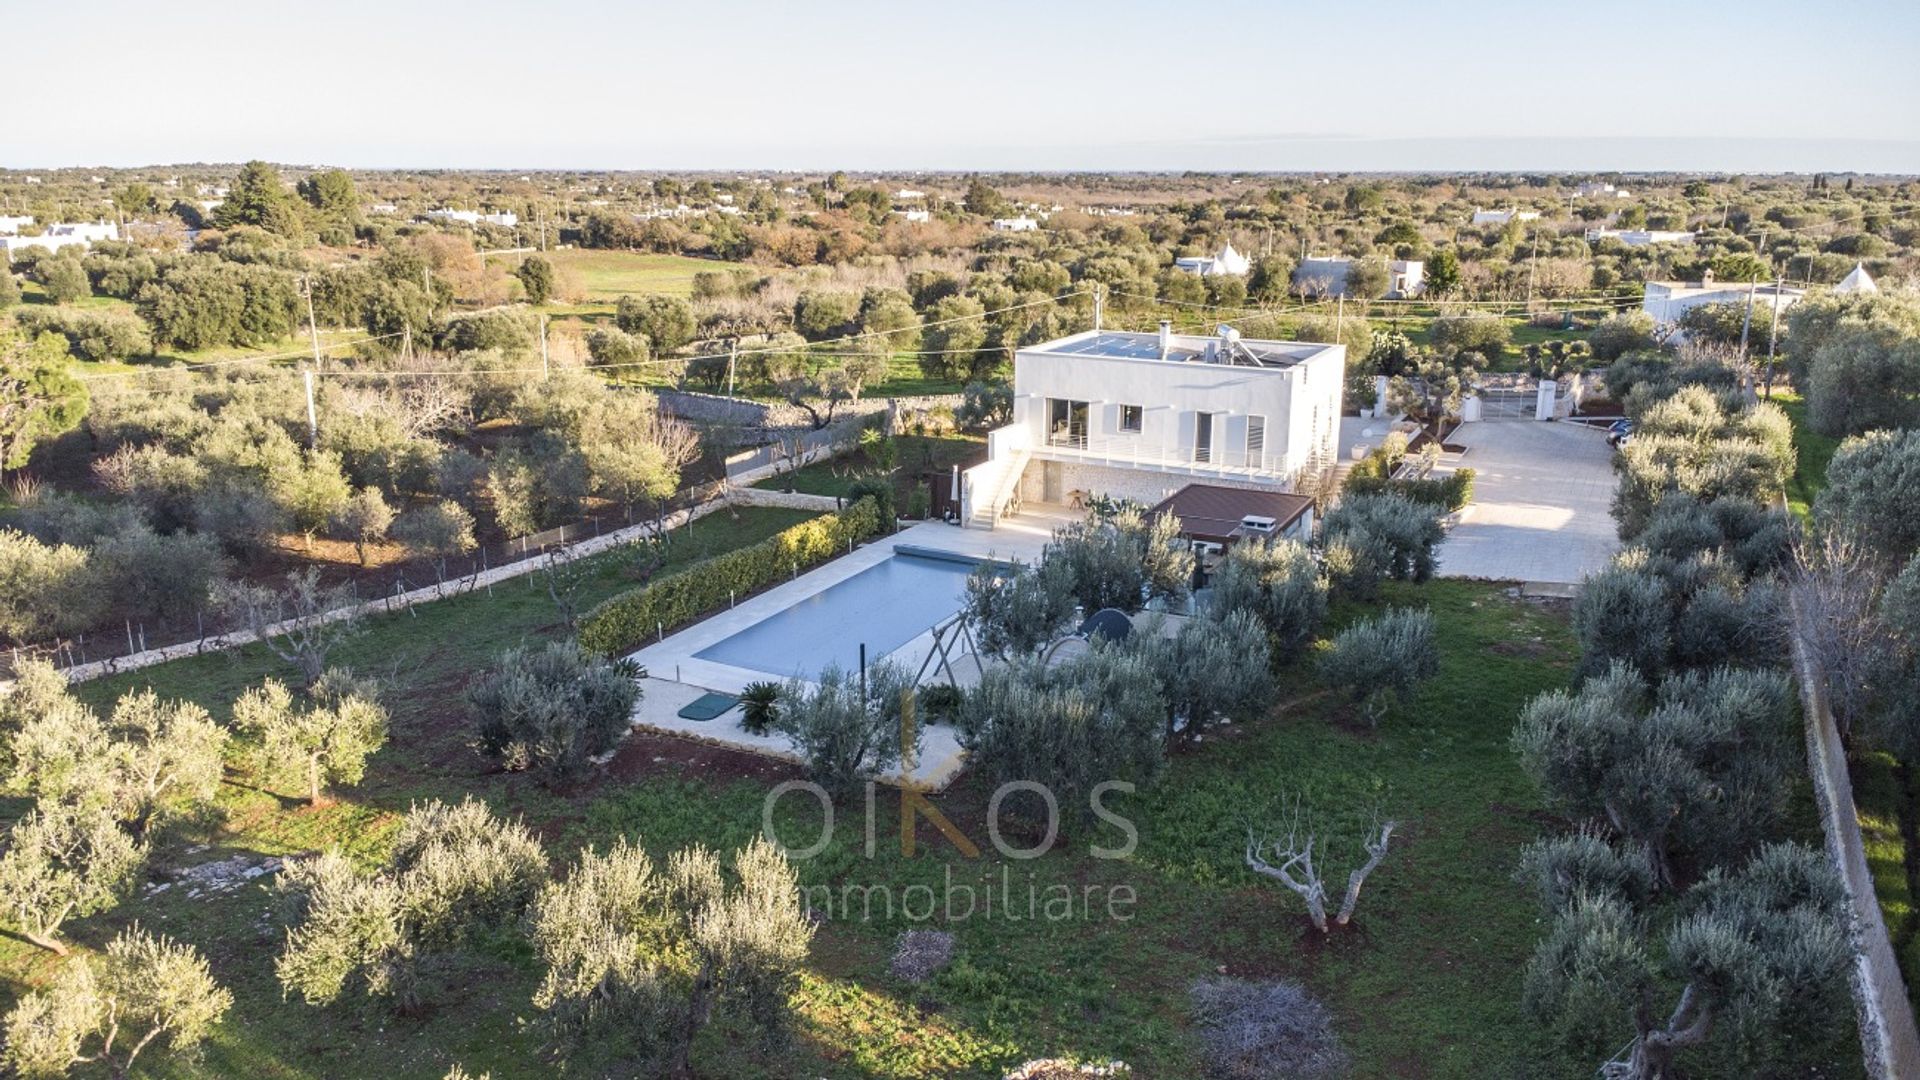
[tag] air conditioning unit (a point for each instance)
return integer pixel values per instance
(1255, 523)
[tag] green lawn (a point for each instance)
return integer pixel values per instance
(1426, 982)
(1813, 451)
(606, 276)
(916, 455)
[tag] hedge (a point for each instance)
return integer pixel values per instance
(1373, 475)
(625, 622)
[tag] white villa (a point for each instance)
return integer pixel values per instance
(1501, 217)
(11, 224)
(1666, 301)
(1326, 275)
(1639, 237)
(1141, 416)
(1016, 224)
(505, 218)
(1601, 191)
(82, 235)
(915, 215)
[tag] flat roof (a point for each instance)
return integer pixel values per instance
(1185, 348)
(1212, 512)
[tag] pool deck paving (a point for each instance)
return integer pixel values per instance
(677, 675)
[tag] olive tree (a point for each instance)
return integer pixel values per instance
(1697, 770)
(61, 862)
(1281, 584)
(1019, 610)
(301, 624)
(651, 954)
(1370, 537)
(365, 518)
(146, 992)
(150, 759)
(1760, 951)
(1868, 497)
(325, 743)
(1213, 669)
(1382, 659)
(437, 531)
(1288, 857)
(552, 708)
(455, 875)
(849, 727)
(1068, 726)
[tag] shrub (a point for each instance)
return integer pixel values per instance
(44, 590)
(551, 707)
(1019, 610)
(1373, 475)
(624, 622)
(1265, 1031)
(1869, 494)
(1383, 658)
(324, 744)
(880, 490)
(759, 706)
(99, 335)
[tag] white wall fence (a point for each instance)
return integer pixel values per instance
(1889, 1041)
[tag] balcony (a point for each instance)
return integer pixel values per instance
(1135, 453)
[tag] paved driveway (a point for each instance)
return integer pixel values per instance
(1539, 511)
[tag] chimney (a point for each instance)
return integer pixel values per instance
(1166, 338)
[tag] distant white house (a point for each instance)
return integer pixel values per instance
(1501, 217)
(1666, 301)
(11, 223)
(505, 218)
(916, 215)
(1326, 275)
(383, 208)
(909, 193)
(1640, 237)
(1859, 281)
(1227, 262)
(81, 235)
(1142, 416)
(1601, 191)
(1015, 224)
(1109, 211)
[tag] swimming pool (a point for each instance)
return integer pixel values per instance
(884, 606)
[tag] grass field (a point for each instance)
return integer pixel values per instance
(915, 455)
(1425, 983)
(1812, 453)
(606, 276)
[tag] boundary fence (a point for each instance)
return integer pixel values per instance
(1889, 1040)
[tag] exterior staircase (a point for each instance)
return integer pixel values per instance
(993, 488)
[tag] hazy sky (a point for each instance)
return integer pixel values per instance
(1685, 84)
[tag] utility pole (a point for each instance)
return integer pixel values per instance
(406, 341)
(546, 371)
(1533, 264)
(1099, 305)
(1340, 319)
(1746, 322)
(733, 356)
(1773, 332)
(306, 376)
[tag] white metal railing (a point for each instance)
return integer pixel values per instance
(1133, 451)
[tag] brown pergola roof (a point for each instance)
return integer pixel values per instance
(1212, 512)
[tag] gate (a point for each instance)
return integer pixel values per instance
(1509, 399)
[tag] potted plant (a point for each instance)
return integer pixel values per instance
(759, 707)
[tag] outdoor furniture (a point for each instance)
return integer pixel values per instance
(707, 706)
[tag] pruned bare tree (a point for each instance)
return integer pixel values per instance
(1835, 589)
(1293, 865)
(301, 624)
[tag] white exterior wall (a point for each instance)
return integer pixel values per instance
(1300, 403)
(1666, 306)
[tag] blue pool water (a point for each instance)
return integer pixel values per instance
(885, 606)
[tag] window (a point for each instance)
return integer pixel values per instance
(1130, 418)
(1256, 440)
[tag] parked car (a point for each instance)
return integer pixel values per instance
(1619, 433)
